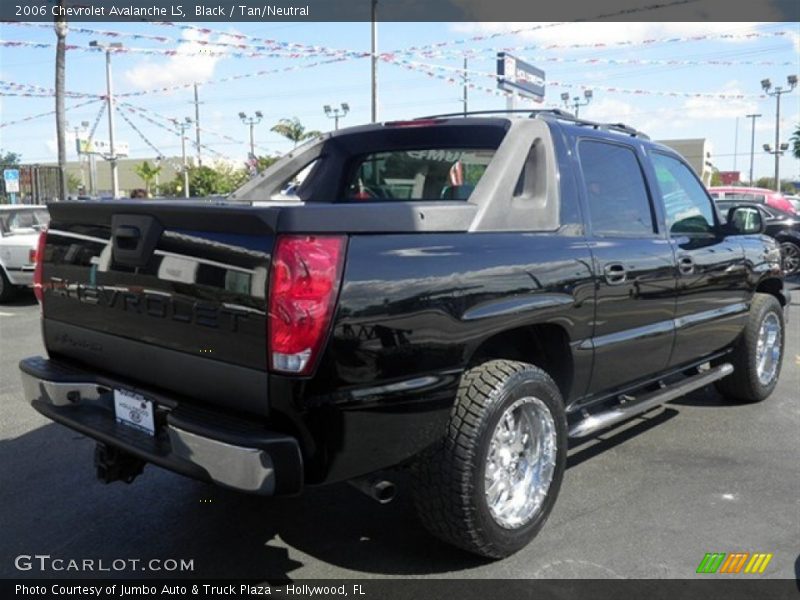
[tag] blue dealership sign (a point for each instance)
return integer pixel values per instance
(515, 75)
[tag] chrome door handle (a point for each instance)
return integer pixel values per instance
(685, 265)
(615, 273)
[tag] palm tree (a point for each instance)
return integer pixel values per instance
(148, 173)
(61, 119)
(796, 142)
(293, 130)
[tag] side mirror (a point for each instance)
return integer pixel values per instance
(745, 220)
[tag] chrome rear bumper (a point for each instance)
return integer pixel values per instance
(196, 443)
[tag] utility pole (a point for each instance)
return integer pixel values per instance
(735, 143)
(466, 81)
(252, 122)
(752, 118)
(183, 126)
(80, 154)
(766, 85)
(110, 99)
(336, 113)
(197, 125)
(374, 61)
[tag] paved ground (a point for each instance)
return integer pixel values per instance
(650, 501)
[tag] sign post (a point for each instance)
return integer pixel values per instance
(11, 179)
(517, 77)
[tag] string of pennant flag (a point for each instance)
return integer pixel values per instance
(257, 51)
(47, 114)
(451, 75)
(260, 45)
(435, 51)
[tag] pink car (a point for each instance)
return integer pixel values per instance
(753, 194)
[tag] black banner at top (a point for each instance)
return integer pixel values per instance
(272, 11)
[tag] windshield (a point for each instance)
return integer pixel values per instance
(423, 174)
(24, 220)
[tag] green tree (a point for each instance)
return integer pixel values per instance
(265, 162)
(73, 183)
(208, 180)
(716, 178)
(10, 158)
(766, 182)
(293, 130)
(148, 173)
(795, 139)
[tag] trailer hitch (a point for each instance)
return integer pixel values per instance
(113, 464)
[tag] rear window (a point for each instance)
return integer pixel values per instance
(419, 174)
(24, 221)
(745, 196)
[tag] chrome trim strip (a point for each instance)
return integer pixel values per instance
(710, 315)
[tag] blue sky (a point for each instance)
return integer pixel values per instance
(406, 93)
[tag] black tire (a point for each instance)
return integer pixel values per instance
(790, 258)
(7, 289)
(449, 479)
(743, 385)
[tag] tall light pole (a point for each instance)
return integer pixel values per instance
(465, 92)
(576, 101)
(374, 48)
(752, 118)
(109, 48)
(252, 122)
(197, 125)
(183, 126)
(766, 85)
(336, 113)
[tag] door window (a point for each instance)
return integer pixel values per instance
(687, 206)
(615, 190)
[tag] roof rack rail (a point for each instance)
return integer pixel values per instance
(526, 111)
(556, 113)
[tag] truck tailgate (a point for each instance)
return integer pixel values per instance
(169, 295)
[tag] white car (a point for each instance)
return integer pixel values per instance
(19, 233)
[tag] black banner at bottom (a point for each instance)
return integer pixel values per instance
(404, 589)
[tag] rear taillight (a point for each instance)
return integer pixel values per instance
(38, 257)
(304, 283)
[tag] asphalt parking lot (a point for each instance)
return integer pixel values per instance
(647, 502)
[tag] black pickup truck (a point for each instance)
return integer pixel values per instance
(459, 297)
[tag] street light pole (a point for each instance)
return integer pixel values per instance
(110, 99)
(336, 113)
(252, 122)
(752, 118)
(183, 127)
(374, 61)
(576, 101)
(766, 85)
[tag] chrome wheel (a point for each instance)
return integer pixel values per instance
(790, 255)
(520, 462)
(768, 348)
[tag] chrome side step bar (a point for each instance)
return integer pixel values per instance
(603, 420)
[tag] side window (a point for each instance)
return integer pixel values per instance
(688, 208)
(615, 190)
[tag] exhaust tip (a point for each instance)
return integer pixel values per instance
(384, 491)
(380, 490)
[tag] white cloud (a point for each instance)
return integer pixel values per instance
(189, 65)
(716, 108)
